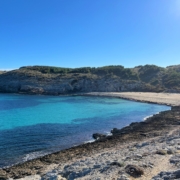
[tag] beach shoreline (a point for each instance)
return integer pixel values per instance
(122, 137)
(169, 99)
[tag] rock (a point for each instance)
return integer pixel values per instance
(53, 177)
(145, 144)
(151, 166)
(104, 169)
(133, 124)
(123, 177)
(170, 151)
(115, 163)
(3, 177)
(60, 178)
(134, 170)
(132, 149)
(96, 166)
(98, 136)
(177, 174)
(127, 158)
(161, 152)
(143, 134)
(2, 174)
(74, 172)
(146, 154)
(115, 131)
(142, 144)
(138, 156)
(33, 177)
(175, 159)
(167, 175)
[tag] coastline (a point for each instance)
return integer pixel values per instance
(169, 99)
(124, 136)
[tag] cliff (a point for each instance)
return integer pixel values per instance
(54, 80)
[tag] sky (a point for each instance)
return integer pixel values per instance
(89, 33)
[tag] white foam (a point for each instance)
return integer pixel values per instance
(90, 141)
(144, 119)
(147, 117)
(34, 155)
(108, 133)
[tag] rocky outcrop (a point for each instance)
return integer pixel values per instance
(98, 136)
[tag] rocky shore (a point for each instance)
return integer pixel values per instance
(142, 150)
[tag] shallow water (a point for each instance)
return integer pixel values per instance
(32, 126)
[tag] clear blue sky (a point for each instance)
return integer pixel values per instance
(78, 33)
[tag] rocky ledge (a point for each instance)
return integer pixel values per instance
(140, 150)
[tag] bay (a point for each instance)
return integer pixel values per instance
(34, 125)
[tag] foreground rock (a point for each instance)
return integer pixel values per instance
(169, 175)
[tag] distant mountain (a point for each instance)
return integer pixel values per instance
(57, 80)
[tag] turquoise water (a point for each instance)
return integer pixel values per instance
(31, 126)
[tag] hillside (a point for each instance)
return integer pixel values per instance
(1, 72)
(57, 80)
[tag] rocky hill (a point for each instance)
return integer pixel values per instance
(57, 80)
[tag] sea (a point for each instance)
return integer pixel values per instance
(35, 125)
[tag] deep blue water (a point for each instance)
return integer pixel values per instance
(31, 126)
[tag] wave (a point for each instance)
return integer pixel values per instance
(34, 155)
(144, 119)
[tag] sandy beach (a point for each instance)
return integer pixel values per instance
(143, 151)
(171, 99)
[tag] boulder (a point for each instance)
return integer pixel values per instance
(115, 163)
(98, 136)
(161, 152)
(134, 170)
(115, 131)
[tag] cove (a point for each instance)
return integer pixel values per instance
(32, 125)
